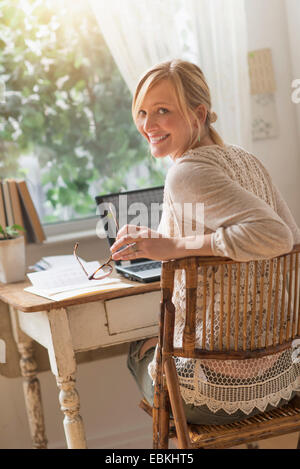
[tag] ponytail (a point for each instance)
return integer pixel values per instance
(215, 137)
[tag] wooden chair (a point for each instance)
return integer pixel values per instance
(274, 285)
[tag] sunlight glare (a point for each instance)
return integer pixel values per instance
(70, 6)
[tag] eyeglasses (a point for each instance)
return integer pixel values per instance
(104, 270)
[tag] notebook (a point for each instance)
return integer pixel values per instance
(142, 207)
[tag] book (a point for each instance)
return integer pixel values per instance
(30, 214)
(8, 205)
(16, 205)
(68, 280)
(2, 209)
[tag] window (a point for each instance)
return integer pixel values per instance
(65, 118)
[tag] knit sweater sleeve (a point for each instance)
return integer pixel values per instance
(243, 226)
(286, 215)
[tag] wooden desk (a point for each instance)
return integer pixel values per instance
(69, 326)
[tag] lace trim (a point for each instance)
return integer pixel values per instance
(246, 406)
(246, 398)
(197, 387)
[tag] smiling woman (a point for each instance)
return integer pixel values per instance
(244, 219)
(65, 115)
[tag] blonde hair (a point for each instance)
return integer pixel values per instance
(191, 90)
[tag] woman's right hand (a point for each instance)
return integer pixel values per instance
(142, 242)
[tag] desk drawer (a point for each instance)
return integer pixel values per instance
(132, 312)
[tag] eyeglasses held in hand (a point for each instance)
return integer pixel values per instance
(103, 271)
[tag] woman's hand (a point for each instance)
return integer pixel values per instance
(139, 241)
(142, 242)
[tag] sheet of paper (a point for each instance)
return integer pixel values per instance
(64, 276)
(78, 293)
(81, 286)
(61, 261)
(49, 262)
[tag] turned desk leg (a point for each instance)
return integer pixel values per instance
(32, 394)
(63, 366)
(69, 401)
(31, 384)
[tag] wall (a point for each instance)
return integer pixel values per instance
(108, 394)
(268, 27)
(293, 18)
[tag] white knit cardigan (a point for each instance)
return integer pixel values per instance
(248, 220)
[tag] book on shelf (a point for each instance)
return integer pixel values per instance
(31, 219)
(2, 208)
(8, 204)
(64, 279)
(16, 205)
(17, 208)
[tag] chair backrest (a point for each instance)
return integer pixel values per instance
(247, 309)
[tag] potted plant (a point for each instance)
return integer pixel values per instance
(12, 254)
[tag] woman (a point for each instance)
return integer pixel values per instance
(245, 218)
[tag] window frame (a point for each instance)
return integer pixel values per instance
(72, 230)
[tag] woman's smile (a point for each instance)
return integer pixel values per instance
(157, 140)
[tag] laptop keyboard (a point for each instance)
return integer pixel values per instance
(148, 266)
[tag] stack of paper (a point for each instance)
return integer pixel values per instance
(65, 279)
(49, 262)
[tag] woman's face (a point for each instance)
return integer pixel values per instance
(161, 122)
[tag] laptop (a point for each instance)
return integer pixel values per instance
(142, 207)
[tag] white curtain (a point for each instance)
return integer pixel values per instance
(211, 33)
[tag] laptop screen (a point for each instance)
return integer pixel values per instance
(142, 207)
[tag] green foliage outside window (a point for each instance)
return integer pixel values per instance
(66, 103)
